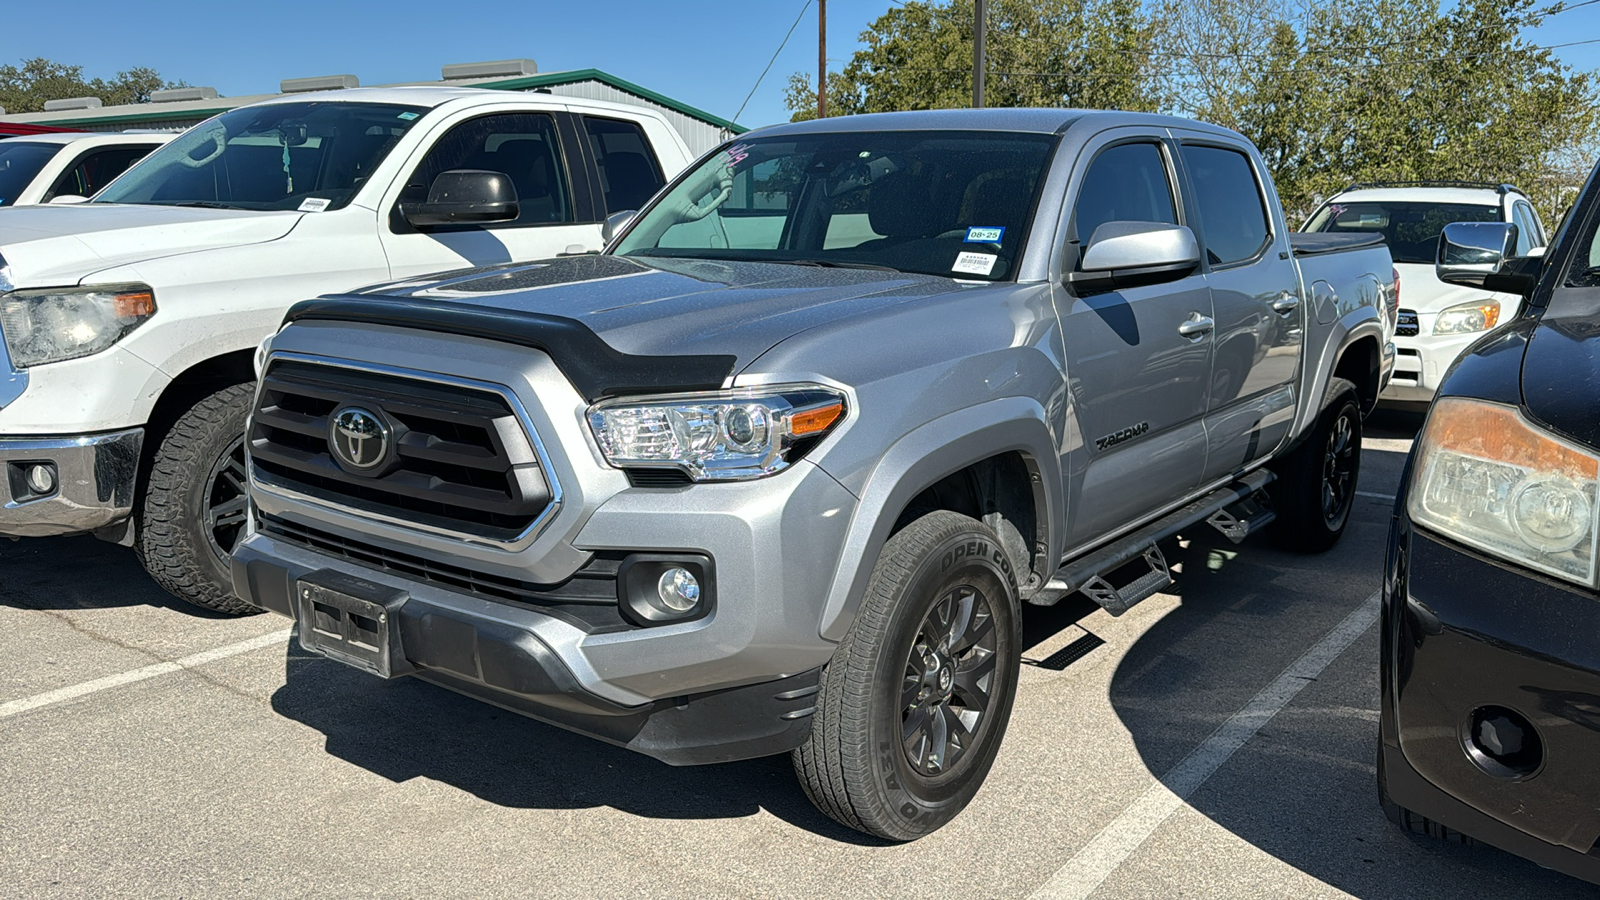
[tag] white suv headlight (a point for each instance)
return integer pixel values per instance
(1465, 318)
(717, 436)
(1486, 477)
(59, 324)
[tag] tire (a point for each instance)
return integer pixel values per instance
(1406, 820)
(893, 676)
(194, 502)
(1317, 482)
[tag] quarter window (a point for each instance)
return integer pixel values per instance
(629, 172)
(1232, 213)
(1125, 183)
(521, 145)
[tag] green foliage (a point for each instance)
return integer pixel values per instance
(1084, 53)
(25, 88)
(1332, 92)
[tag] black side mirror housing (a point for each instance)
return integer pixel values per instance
(465, 197)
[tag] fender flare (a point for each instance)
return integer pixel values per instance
(919, 460)
(1363, 323)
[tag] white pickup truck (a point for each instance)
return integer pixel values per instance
(40, 168)
(129, 324)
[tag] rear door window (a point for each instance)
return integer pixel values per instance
(630, 174)
(1125, 183)
(1232, 212)
(96, 170)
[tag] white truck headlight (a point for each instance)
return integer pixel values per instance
(717, 436)
(59, 324)
(1486, 477)
(1465, 318)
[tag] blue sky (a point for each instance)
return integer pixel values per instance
(704, 54)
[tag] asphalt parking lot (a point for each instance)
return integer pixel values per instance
(1218, 744)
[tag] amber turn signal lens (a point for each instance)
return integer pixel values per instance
(1498, 433)
(815, 421)
(134, 304)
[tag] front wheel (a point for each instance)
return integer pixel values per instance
(1316, 485)
(915, 702)
(194, 509)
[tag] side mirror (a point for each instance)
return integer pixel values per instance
(615, 223)
(67, 200)
(1469, 252)
(1125, 254)
(465, 197)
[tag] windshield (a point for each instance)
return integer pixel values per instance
(20, 161)
(1412, 229)
(948, 203)
(312, 156)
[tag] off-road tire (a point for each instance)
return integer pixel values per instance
(1406, 820)
(171, 537)
(1306, 523)
(856, 766)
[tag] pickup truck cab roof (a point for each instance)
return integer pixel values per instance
(1038, 121)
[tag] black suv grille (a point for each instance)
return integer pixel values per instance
(1406, 324)
(461, 460)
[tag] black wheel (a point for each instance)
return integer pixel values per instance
(1407, 820)
(915, 702)
(194, 509)
(1316, 485)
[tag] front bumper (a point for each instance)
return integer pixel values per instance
(524, 660)
(95, 480)
(1421, 362)
(1463, 632)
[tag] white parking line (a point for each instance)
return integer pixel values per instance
(1090, 866)
(72, 692)
(1375, 496)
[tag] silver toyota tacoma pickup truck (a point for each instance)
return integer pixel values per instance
(780, 468)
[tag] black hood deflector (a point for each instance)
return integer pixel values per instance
(594, 367)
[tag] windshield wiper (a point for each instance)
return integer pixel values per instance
(830, 264)
(205, 204)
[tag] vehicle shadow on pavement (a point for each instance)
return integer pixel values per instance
(407, 729)
(80, 572)
(1304, 789)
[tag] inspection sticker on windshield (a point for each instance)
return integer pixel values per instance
(407, 116)
(975, 263)
(985, 234)
(314, 204)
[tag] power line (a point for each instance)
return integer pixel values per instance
(774, 59)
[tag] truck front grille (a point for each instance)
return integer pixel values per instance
(1406, 324)
(456, 458)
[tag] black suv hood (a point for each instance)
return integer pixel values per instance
(1561, 368)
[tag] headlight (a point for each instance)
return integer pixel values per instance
(1466, 318)
(1487, 478)
(65, 323)
(717, 436)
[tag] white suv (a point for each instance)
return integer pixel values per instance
(1437, 320)
(39, 168)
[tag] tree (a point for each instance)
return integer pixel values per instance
(1084, 53)
(25, 88)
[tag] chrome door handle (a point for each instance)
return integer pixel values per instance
(1197, 326)
(1286, 302)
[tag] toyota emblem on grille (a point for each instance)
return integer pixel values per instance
(359, 439)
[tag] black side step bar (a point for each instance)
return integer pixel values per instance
(1236, 510)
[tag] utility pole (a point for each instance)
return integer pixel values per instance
(979, 26)
(822, 59)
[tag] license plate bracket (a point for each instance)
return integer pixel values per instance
(351, 620)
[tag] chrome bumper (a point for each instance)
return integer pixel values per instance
(94, 483)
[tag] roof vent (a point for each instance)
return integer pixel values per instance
(178, 95)
(2, 110)
(318, 83)
(72, 103)
(499, 68)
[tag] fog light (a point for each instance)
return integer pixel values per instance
(665, 588)
(42, 478)
(1503, 743)
(679, 589)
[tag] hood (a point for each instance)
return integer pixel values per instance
(1422, 291)
(676, 307)
(55, 245)
(1561, 368)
